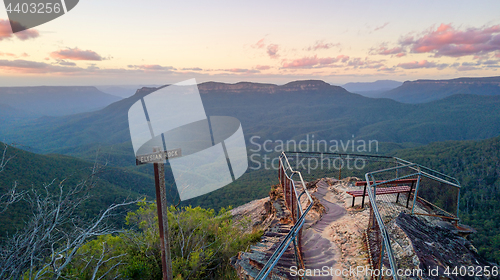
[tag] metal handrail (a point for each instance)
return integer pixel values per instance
(383, 230)
(299, 222)
(372, 188)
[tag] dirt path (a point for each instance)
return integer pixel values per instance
(319, 251)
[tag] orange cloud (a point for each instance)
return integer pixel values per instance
(76, 54)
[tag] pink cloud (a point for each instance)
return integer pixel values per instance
(152, 67)
(68, 68)
(192, 69)
(407, 40)
(380, 27)
(33, 67)
(448, 41)
(421, 64)
(262, 67)
(6, 32)
(400, 54)
(314, 61)
(305, 62)
(467, 68)
(497, 55)
(260, 44)
(7, 54)
(321, 45)
(386, 69)
(66, 63)
(383, 50)
(76, 54)
(356, 62)
(272, 51)
(343, 58)
(27, 34)
(241, 71)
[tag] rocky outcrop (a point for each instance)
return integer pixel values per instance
(275, 219)
(440, 247)
(335, 235)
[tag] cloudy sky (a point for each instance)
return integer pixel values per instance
(103, 42)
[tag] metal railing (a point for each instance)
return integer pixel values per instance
(403, 170)
(411, 170)
(293, 203)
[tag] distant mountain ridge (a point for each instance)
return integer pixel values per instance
(372, 89)
(123, 91)
(248, 87)
(290, 111)
(421, 91)
(56, 100)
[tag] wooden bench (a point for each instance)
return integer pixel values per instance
(385, 190)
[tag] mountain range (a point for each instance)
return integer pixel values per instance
(55, 100)
(66, 146)
(291, 111)
(373, 89)
(422, 91)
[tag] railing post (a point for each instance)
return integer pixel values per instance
(415, 194)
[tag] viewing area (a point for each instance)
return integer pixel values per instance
(427, 193)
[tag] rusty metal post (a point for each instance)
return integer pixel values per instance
(161, 207)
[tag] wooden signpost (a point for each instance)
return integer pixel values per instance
(157, 159)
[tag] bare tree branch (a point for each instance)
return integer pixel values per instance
(13, 195)
(4, 160)
(53, 235)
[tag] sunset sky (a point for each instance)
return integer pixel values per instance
(126, 42)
